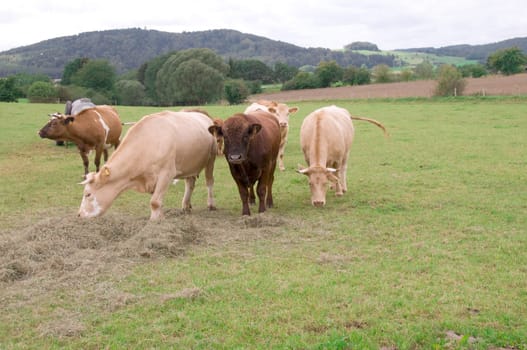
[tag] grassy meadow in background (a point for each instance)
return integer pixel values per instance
(426, 250)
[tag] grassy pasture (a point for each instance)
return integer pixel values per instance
(427, 250)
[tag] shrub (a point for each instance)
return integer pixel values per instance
(236, 91)
(449, 82)
(41, 91)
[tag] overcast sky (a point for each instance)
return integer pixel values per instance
(307, 23)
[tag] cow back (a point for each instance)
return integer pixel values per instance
(167, 138)
(326, 134)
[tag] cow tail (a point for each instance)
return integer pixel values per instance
(373, 121)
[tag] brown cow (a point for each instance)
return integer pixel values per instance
(251, 143)
(96, 128)
(282, 112)
(326, 136)
(156, 150)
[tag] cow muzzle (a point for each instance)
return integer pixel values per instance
(235, 158)
(318, 203)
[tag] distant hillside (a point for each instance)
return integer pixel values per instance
(127, 49)
(473, 52)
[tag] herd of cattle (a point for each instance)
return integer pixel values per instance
(179, 145)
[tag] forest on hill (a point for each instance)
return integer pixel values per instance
(128, 49)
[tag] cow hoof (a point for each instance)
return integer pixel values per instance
(339, 194)
(212, 207)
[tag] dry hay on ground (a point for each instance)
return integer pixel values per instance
(78, 257)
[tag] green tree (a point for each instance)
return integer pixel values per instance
(147, 76)
(424, 70)
(8, 90)
(197, 83)
(24, 80)
(473, 70)
(71, 68)
(250, 70)
(284, 72)
(41, 91)
(507, 61)
(236, 91)
(98, 75)
(382, 74)
(129, 92)
(202, 80)
(328, 73)
(302, 80)
(450, 82)
(356, 76)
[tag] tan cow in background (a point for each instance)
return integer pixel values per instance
(156, 150)
(326, 136)
(282, 112)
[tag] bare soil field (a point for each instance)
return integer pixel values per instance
(487, 86)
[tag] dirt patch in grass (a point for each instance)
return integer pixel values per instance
(494, 85)
(64, 255)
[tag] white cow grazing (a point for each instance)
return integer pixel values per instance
(156, 150)
(326, 136)
(281, 111)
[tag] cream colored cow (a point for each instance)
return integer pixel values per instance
(326, 136)
(282, 112)
(156, 150)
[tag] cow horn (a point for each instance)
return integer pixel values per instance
(302, 169)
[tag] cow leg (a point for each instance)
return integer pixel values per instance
(269, 189)
(105, 154)
(98, 153)
(209, 179)
(156, 201)
(252, 196)
(244, 196)
(281, 161)
(190, 183)
(85, 161)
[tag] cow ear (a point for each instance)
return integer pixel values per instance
(293, 109)
(69, 120)
(255, 128)
(104, 174)
(215, 130)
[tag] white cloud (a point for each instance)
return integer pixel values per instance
(330, 23)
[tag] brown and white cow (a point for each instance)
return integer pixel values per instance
(326, 136)
(282, 112)
(96, 128)
(251, 143)
(156, 150)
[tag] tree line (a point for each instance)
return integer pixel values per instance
(200, 76)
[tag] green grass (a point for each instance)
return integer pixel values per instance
(430, 240)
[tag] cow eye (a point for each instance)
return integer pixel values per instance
(87, 195)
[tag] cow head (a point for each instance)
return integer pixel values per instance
(280, 110)
(97, 196)
(319, 179)
(237, 133)
(55, 127)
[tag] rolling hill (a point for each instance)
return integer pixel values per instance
(128, 49)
